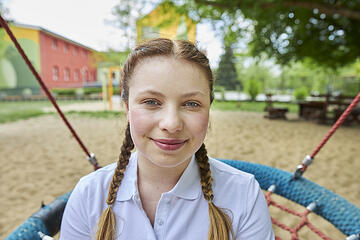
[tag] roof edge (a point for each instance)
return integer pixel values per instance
(44, 30)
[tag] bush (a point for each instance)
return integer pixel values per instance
(221, 90)
(89, 91)
(301, 93)
(252, 87)
(63, 91)
(78, 92)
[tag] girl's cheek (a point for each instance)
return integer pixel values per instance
(200, 124)
(140, 121)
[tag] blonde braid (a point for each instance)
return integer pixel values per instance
(106, 225)
(220, 226)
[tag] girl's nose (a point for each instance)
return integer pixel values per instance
(171, 121)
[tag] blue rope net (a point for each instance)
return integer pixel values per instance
(344, 215)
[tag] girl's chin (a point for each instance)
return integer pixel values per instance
(167, 161)
(168, 164)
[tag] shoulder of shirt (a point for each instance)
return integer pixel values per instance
(100, 176)
(225, 169)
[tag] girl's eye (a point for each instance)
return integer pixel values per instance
(151, 102)
(192, 104)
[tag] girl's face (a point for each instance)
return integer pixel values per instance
(168, 110)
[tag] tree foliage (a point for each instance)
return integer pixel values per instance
(226, 74)
(324, 30)
(319, 79)
(126, 12)
(253, 88)
(259, 70)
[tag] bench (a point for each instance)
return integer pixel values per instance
(272, 111)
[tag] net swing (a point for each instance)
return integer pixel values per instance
(344, 215)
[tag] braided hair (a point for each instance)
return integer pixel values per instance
(220, 226)
(106, 225)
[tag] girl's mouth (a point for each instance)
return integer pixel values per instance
(169, 144)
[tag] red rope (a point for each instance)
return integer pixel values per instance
(307, 161)
(337, 124)
(304, 221)
(43, 86)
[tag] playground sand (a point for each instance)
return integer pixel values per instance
(40, 160)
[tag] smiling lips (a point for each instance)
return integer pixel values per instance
(169, 144)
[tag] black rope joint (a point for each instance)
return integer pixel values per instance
(92, 160)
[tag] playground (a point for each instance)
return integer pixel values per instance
(41, 160)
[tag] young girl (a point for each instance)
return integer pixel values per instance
(168, 188)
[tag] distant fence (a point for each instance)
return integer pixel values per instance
(44, 98)
(241, 96)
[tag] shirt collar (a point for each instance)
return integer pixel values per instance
(128, 187)
(188, 186)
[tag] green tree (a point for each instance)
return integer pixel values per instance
(126, 12)
(226, 74)
(326, 31)
(253, 88)
(308, 75)
(259, 70)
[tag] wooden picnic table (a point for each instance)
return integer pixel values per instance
(327, 109)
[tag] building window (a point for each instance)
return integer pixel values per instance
(83, 53)
(150, 32)
(66, 74)
(84, 75)
(55, 73)
(66, 48)
(54, 44)
(76, 75)
(76, 51)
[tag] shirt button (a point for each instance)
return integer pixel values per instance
(137, 198)
(160, 222)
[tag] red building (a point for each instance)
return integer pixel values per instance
(65, 63)
(61, 62)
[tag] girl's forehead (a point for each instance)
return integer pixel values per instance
(166, 66)
(155, 60)
(168, 74)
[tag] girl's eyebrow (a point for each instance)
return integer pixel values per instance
(156, 93)
(152, 92)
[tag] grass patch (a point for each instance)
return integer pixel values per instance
(250, 106)
(15, 116)
(13, 111)
(20, 110)
(98, 114)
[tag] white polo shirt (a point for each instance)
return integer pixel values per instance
(182, 213)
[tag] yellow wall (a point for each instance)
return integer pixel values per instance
(164, 21)
(14, 73)
(26, 33)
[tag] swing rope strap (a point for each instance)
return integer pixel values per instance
(310, 158)
(90, 157)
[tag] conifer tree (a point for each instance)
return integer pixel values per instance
(226, 74)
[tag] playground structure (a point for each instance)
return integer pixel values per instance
(286, 183)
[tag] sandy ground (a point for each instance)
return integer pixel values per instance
(40, 160)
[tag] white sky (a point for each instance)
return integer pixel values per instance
(84, 21)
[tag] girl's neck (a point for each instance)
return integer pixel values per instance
(161, 178)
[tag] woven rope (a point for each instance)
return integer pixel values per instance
(344, 215)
